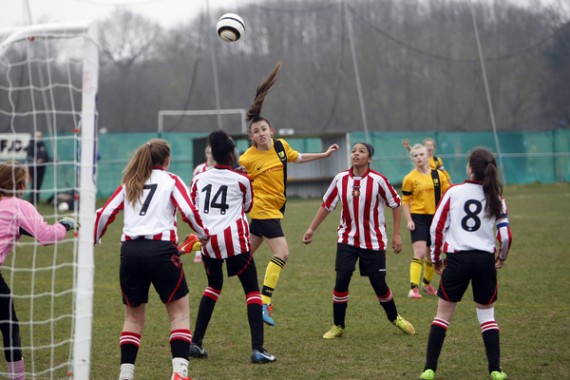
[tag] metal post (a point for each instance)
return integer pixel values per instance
(488, 94)
(357, 74)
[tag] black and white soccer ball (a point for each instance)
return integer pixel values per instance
(230, 27)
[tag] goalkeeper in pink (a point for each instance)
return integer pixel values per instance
(463, 228)
(19, 217)
(149, 196)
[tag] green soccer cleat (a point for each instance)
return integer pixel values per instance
(334, 332)
(428, 374)
(405, 326)
(498, 375)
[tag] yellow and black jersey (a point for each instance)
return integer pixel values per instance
(418, 191)
(266, 172)
(437, 163)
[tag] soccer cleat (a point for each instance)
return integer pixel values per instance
(190, 244)
(197, 351)
(178, 376)
(428, 374)
(414, 293)
(335, 332)
(198, 257)
(267, 308)
(261, 356)
(405, 326)
(429, 289)
(498, 375)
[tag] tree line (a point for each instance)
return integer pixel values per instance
(387, 65)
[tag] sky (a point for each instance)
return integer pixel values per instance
(166, 12)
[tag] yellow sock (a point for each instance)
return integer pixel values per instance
(271, 277)
(416, 272)
(428, 272)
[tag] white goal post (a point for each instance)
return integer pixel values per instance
(48, 83)
(239, 111)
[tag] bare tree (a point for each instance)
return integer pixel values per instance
(127, 37)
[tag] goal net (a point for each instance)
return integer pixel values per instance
(48, 84)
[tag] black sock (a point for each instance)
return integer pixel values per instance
(435, 343)
(492, 348)
(205, 311)
(255, 318)
(339, 313)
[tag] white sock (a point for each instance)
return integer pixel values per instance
(127, 372)
(180, 366)
(486, 315)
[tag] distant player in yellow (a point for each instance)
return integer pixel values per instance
(435, 162)
(422, 188)
(266, 164)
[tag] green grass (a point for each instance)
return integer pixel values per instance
(532, 310)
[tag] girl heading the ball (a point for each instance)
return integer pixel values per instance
(266, 163)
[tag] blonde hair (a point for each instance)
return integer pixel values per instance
(13, 176)
(155, 152)
(417, 147)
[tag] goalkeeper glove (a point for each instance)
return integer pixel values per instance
(69, 223)
(191, 243)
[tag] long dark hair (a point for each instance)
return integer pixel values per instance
(223, 148)
(254, 111)
(484, 167)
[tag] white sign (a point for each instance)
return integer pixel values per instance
(13, 146)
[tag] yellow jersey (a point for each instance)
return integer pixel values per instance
(418, 191)
(437, 163)
(266, 172)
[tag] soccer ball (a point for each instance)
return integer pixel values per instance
(63, 206)
(230, 27)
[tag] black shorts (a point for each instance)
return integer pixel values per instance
(463, 267)
(371, 262)
(421, 232)
(145, 262)
(235, 265)
(268, 228)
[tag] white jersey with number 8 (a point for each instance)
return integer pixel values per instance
(460, 223)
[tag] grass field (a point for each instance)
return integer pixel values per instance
(531, 311)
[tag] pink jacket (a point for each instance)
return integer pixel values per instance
(17, 216)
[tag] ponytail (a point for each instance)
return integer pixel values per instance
(153, 153)
(484, 167)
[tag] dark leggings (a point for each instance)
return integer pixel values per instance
(9, 324)
(343, 278)
(248, 279)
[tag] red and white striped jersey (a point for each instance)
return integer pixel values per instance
(222, 198)
(201, 168)
(461, 223)
(362, 220)
(154, 215)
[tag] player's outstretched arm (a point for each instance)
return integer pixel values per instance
(321, 215)
(308, 157)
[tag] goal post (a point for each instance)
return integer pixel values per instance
(181, 113)
(49, 84)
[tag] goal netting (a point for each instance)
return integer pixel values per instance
(48, 84)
